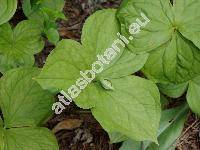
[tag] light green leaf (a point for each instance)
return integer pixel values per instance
(171, 126)
(24, 105)
(29, 139)
(1, 122)
(53, 4)
(175, 62)
(154, 33)
(135, 112)
(51, 8)
(7, 10)
(26, 6)
(102, 38)
(82, 56)
(130, 145)
(1, 136)
(127, 64)
(50, 15)
(68, 55)
(74, 57)
(164, 101)
(173, 90)
(188, 19)
(116, 137)
(139, 95)
(173, 58)
(23, 102)
(18, 46)
(53, 36)
(45, 13)
(193, 95)
(99, 31)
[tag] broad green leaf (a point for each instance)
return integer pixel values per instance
(188, 19)
(50, 15)
(45, 13)
(130, 145)
(173, 57)
(132, 108)
(53, 4)
(143, 103)
(23, 102)
(171, 126)
(116, 137)
(127, 64)
(29, 139)
(74, 57)
(37, 9)
(1, 137)
(82, 56)
(154, 33)
(1, 122)
(173, 63)
(164, 101)
(26, 6)
(53, 36)
(24, 105)
(99, 32)
(69, 55)
(173, 90)
(7, 10)
(193, 95)
(18, 46)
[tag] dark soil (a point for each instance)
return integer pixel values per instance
(190, 138)
(90, 135)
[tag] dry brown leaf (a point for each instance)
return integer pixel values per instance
(67, 124)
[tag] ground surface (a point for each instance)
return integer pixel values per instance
(76, 129)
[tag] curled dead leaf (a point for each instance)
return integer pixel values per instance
(67, 124)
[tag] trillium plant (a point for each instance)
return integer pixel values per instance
(127, 65)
